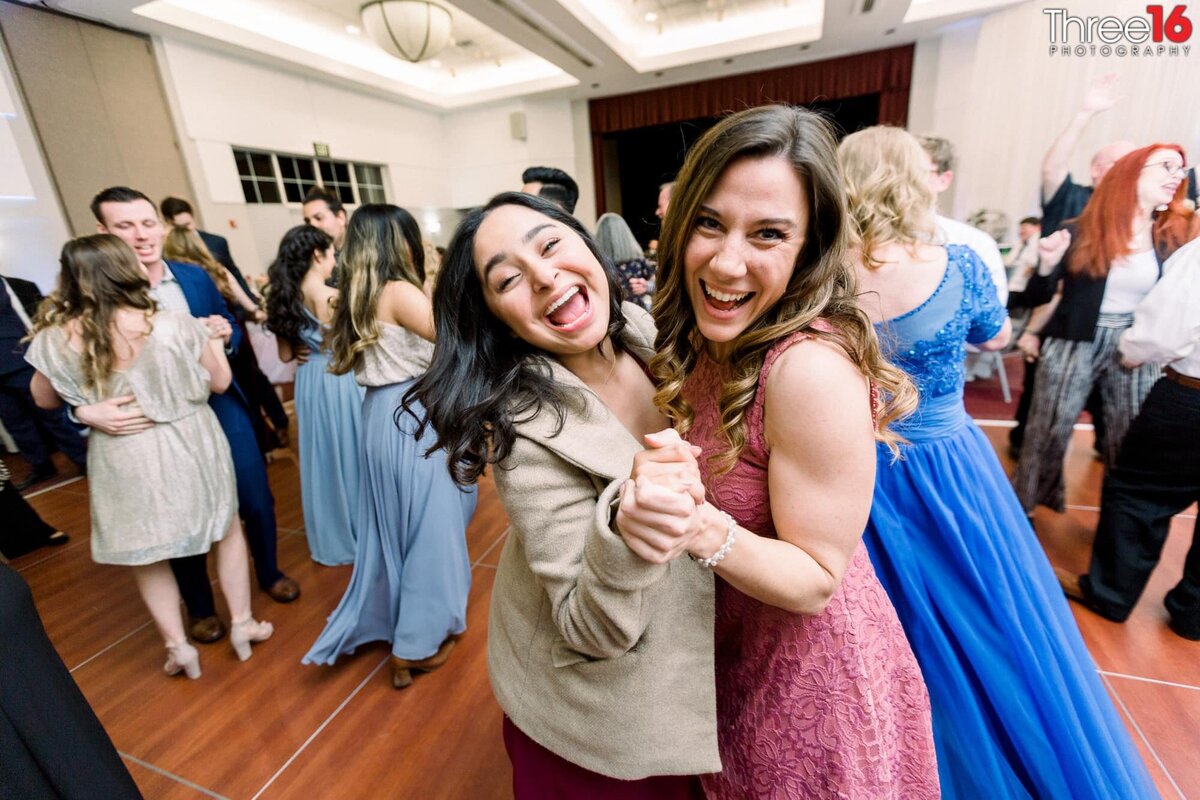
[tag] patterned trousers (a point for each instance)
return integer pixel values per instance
(1067, 372)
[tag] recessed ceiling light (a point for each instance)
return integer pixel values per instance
(353, 29)
(651, 16)
(433, 62)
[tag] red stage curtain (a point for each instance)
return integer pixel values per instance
(887, 73)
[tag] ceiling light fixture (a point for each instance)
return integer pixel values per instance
(354, 30)
(651, 16)
(410, 29)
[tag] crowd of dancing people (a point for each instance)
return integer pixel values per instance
(757, 547)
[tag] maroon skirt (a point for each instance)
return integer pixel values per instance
(539, 774)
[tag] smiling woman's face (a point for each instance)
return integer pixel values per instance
(743, 247)
(541, 280)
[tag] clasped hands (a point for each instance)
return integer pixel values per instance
(663, 512)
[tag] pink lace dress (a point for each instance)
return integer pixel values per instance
(824, 706)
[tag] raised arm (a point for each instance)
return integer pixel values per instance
(1101, 96)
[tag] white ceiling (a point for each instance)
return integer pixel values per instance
(509, 48)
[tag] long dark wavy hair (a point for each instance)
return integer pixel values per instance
(483, 380)
(820, 294)
(100, 275)
(286, 316)
(383, 244)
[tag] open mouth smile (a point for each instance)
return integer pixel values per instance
(570, 311)
(724, 301)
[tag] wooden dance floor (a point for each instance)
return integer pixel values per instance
(272, 728)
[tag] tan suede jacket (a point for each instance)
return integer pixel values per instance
(596, 654)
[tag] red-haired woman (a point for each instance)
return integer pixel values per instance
(1107, 260)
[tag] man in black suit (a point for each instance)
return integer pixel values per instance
(32, 428)
(178, 213)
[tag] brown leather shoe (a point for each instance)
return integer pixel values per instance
(402, 668)
(284, 590)
(206, 630)
(1069, 582)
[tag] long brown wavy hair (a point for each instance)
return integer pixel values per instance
(185, 245)
(821, 287)
(100, 274)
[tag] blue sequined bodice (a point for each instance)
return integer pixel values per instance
(929, 342)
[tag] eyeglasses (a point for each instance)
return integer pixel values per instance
(1170, 168)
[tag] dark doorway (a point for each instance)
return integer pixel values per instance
(648, 157)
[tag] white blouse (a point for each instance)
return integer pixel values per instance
(1129, 280)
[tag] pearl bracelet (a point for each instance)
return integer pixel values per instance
(723, 550)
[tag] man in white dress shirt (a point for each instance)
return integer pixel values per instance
(940, 153)
(1157, 474)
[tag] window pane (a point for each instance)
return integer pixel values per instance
(287, 167)
(346, 194)
(304, 167)
(371, 194)
(268, 190)
(368, 175)
(326, 171)
(262, 165)
(249, 192)
(243, 162)
(293, 192)
(342, 171)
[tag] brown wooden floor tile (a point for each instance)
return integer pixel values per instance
(439, 738)
(232, 729)
(1167, 716)
(156, 786)
(1157, 773)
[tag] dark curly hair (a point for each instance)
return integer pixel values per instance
(482, 380)
(286, 314)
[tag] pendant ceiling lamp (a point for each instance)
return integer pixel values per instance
(410, 29)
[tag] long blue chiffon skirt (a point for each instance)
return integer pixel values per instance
(329, 419)
(1019, 710)
(411, 571)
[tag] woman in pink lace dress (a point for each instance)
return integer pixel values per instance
(766, 362)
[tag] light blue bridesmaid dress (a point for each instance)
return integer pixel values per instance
(329, 418)
(411, 569)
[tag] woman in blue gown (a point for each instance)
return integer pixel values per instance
(411, 570)
(1019, 710)
(328, 407)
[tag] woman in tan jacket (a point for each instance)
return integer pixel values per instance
(600, 643)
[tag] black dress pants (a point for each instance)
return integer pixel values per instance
(1157, 475)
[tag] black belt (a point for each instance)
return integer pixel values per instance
(1181, 379)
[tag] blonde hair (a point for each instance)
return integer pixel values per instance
(889, 196)
(821, 287)
(383, 244)
(186, 245)
(100, 274)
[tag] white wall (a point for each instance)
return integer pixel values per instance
(1003, 99)
(436, 163)
(33, 227)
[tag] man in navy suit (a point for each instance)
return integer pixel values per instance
(131, 216)
(178, 212)
(259, 393)
(30, 427)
